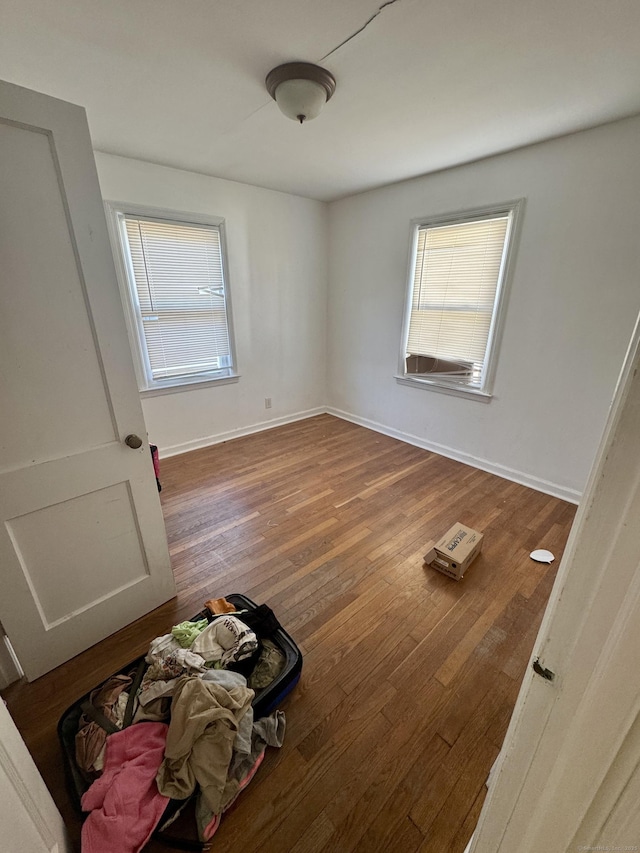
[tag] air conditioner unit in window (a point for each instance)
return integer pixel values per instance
(425, 365)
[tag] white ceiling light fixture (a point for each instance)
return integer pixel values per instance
(300, 89)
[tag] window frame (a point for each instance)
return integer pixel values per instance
(484, 392)
(147, 386)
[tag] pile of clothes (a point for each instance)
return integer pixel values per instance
(193, 693)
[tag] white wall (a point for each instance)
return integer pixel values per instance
(574, 299)
(277, 252)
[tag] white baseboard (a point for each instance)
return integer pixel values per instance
(208, 440)
(537, 483)
(540, 485)
(10, 669)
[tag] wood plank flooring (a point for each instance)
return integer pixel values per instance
(409, 678)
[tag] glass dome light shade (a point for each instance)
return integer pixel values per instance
(301, 98)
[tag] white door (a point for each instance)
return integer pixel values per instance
(569, 778)
(82, 541)
(29, 818)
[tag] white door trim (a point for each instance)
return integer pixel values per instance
(19, 778)
(573, 745)
(10, 669)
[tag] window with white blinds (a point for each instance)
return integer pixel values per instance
(457, 272)
(177, 284)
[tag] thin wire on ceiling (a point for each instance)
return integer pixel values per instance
(357, 32)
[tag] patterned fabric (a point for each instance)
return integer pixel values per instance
(269, 666)
(162, 675)
(175, 664)
(226, 640)
(161, 647)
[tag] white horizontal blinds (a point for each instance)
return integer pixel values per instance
(457, 270)
(179, 280)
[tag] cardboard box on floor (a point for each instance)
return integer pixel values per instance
(453, 554)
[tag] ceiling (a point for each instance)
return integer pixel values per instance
(427, 84)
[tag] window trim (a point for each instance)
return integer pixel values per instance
(483, 393)
(147, 386)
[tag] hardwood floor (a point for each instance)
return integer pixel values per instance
(409, 678)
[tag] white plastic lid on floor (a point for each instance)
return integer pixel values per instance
(542, 556)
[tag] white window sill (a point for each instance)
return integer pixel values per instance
(442, 388)
(174, 386)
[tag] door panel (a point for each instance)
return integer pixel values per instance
(37, 316)
(82, 540)
(96, 564)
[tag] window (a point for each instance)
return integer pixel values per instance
(177, 298)
(456, 291)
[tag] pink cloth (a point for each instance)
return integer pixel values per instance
(212, 827)
(124, 802)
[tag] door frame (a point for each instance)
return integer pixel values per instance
(19, 773)
(561, 770)
(10, 669)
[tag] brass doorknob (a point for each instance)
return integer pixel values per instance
(133, 441)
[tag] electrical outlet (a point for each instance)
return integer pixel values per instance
(267, 402)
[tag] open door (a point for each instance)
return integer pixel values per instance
(569, 774)
(82, 542)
